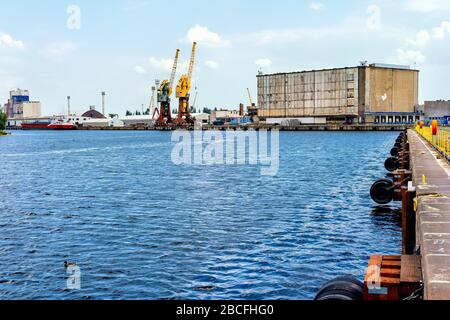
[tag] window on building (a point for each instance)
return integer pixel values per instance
(350, 93)
(351, 77)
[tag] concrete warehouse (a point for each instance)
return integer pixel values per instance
(375, 93)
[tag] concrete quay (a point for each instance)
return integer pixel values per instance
(431, 177)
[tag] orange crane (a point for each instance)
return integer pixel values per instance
(183, 92)
(164, 93)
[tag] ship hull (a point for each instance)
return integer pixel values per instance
(35, 126)
(64, 126)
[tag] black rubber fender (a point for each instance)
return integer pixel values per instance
(391, 164)
(395, 152)
(382, 191)
(342, 288)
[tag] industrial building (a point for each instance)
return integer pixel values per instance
(19, 105)
(375, 93)
(437, 109)
(20, 108)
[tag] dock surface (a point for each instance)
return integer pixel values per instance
(431, 176)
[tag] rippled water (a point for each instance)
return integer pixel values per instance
(140, 227)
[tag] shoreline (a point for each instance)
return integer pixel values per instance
(257, 127)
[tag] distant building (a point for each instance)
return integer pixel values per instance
(19, 105)
(94, 114)
(93, 118)
(375, 93)
(28, 109)
(139, 120)
(437, 109)
(224, 115)
(201, 118)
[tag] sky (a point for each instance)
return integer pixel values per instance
(80, 48)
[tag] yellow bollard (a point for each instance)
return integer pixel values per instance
(424, 180)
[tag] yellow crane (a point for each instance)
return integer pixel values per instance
(250, 97)
(183, 91)
(164, 93)
(252, 110)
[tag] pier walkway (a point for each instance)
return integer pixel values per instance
(431, 176)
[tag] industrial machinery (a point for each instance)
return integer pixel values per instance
(183, 92)
(164, 93)
(194, 105)
(155, 112)
(252, 109)
(151, 106)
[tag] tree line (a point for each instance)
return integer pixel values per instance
(3, 119)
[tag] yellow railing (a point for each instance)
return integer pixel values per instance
(441, 141)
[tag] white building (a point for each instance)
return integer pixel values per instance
(201, 118)
(28, 109)
(140, 120)
(217, 115)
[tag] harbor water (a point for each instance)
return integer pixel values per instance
(140, 227)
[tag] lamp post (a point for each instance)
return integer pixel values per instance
(103, 103)
(68, 106)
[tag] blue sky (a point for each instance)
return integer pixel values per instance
(123, 45)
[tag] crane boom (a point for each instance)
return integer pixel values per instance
(192, 62)
(195, 100)
(250, 97)
(174, 69)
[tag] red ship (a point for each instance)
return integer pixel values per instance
(61, 125)
(47, 125)
(36, 125)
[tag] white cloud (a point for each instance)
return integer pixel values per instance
(59, 50)
(212, 64)
(409, 57)
(442, 30)
(316, 6)
(205, 37)
(7, 40)
(166, 65)
(421, 39)
(427, 6)
(139, 70)
(161, 64)
(263, 63)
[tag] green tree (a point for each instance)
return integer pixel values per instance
(3, 119)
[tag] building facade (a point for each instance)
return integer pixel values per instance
(437, 109)
(374, 93)
(28, 109)
(19, 105)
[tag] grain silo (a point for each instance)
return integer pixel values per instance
(375, 93)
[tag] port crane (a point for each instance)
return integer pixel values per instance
(164, 93)
(250, 97)
(194, 105)
(252, 109)
(151, 106)
(183, 92)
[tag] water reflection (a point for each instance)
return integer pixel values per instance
(383, 215)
